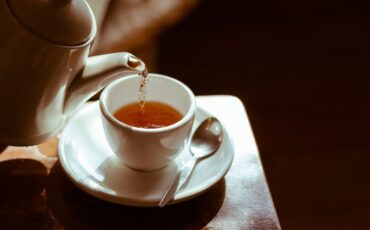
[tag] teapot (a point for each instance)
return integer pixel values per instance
(45, 71)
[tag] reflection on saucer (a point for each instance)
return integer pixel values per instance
(126, 179)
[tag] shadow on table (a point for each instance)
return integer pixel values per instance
(2, 148)
(75, 209)
(22, 205)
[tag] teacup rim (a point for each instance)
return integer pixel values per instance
(184, 120)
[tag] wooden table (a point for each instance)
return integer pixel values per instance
(36, 194)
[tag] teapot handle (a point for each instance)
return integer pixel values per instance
(98, 72)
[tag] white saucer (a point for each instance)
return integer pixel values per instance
(89, 162)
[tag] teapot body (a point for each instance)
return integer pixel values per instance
(34, 76)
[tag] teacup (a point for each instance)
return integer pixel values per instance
(146, 148)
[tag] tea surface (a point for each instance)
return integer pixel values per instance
(153, 115)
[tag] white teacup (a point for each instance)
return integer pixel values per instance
(142, 148)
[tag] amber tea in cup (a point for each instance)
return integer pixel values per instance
(152, 115)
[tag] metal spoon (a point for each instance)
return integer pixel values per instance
(205, 142)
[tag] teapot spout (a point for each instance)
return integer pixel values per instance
(98, 72)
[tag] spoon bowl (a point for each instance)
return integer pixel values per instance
(204, 142)
(207, 138)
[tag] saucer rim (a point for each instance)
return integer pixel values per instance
(186, 194)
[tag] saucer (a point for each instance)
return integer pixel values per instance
(91, 165)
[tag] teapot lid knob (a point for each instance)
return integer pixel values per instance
(63, 22)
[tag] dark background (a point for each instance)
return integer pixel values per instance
(301, 69)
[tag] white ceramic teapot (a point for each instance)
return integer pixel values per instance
(45, 71)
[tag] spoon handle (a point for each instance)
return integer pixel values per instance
(186, 171)
(179, 182)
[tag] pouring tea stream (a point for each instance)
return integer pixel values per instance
(45, 71)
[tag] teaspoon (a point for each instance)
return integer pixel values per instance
(205, 142)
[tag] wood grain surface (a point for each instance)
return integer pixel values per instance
(36, 194)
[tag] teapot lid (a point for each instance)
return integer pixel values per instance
(64, 22)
